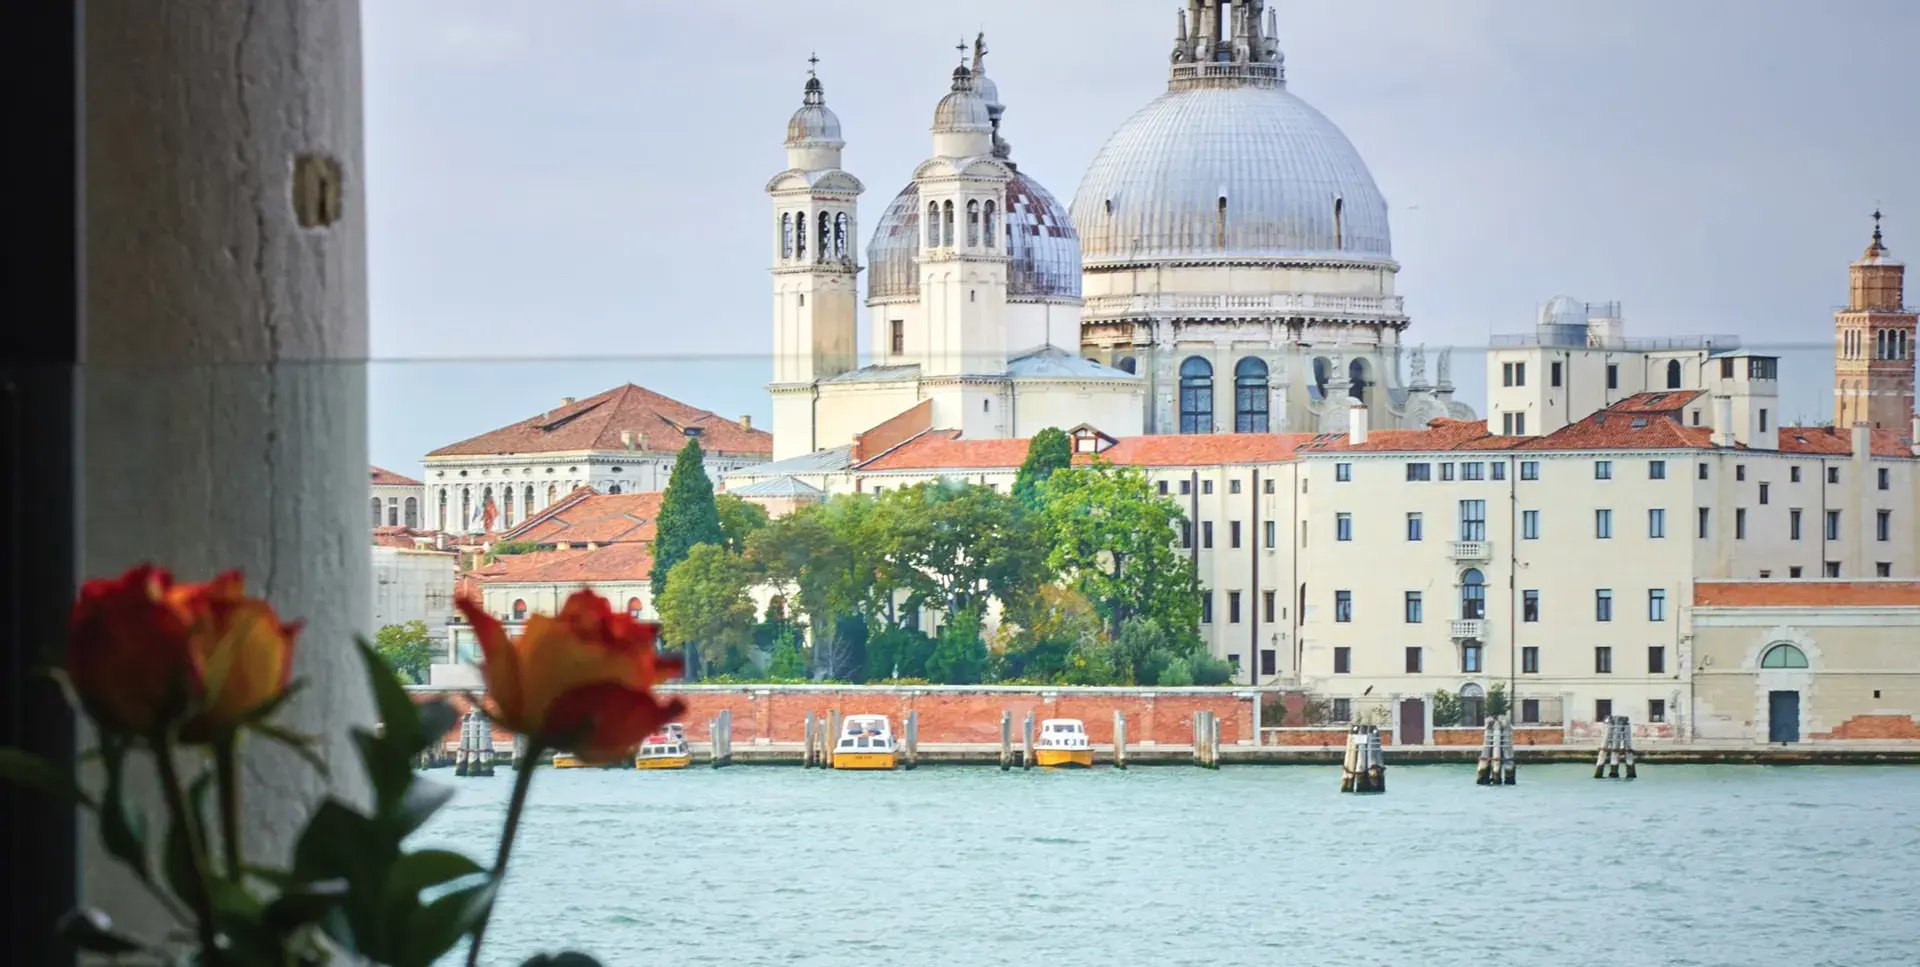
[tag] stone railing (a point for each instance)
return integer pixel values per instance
(1311, 303)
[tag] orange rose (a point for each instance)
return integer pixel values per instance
(580, 682)
(243, 651)
(127, 652)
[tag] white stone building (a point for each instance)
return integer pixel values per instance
(395, 500)
(414, 584)
(621, 441)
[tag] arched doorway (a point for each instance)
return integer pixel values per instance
(1783, 667)
(1473, 705)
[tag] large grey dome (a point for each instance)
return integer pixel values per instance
(1246, 173)
(1042, 248)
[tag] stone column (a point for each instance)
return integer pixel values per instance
(225, 399)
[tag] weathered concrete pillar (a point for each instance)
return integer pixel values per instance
(225, 396)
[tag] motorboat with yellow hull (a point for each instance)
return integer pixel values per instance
(1062, 743)
(866, 742)
(666, 749)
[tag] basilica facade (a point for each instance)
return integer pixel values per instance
(1226, 266)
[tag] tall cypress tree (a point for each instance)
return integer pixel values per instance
(1050, 450)
(688, 515)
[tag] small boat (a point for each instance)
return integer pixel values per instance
(1063, 742)
(866, 742)
(567, 760)
(665, 749)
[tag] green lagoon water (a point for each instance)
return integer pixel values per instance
(1250, 865)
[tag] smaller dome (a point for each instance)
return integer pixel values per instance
(1562, 310)
(962, 110)
(814, 123)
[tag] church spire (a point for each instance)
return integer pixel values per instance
(1226, 43)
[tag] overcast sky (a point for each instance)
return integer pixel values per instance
(567, 196)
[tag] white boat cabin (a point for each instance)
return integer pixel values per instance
(865, 733)
(670, 744)
(1062, 734)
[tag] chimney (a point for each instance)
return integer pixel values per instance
(1723, 421)
(746, 421)
(1357, 423)
(566, 401)
(626, 440)
(1862, 441)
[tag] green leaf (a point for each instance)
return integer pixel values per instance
(436, 719)
(569, 958)
(399, 721)
(419, 870)
(341, 843)
(182, 873)
(90, 930)
(41, 775)
(421, 800)
(304, 904)
(389, 768)
(123, 830)
(438, 926)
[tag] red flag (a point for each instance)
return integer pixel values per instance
(488, 515)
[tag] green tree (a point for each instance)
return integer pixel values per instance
(1050, 450)
(706, 607)
(1055, 622)
(821, 556)
(688, 516)
(788, 663)
(1140, 650)
(739, 518)
(947, 545)
(1446, 709)
(406, 648)
(1497, 704)
(961, 657)
(897, 651)
(1112, 540)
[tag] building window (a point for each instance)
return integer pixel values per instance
(1763, 419)
(1266, 661)
(1530, 711)
(1206, 487)
(1470, 659)
(1656, 604)
(1883, 524)
(1613, 375)
(1530, 606)
(1603, 660)
(1883, 569)
(1473, 471)
(1250, 396)
(1186, 487)
(1342, 472)
(1163, 488)
(1415, 525)
(1793, 474)
(1446, 471)
(1233, 486)
(1656, 660)
(1473, 520)
(1266, 606)
(1603, 524)
(1499, 471)
(1473, 595)
(1341, 710)
(1206, 534)
(1196, 396)
(1833, 525)
(1343, 527)
(1657, 522)
(1233, 607)
(374, 503)
(1833, 569)
(1673, 374)
(1555, 380)
(1656, 710)
(1794, 571)
(1266, 486)
(1343, 606)
(1702, 470)
(1705, 514)
(1603, 605)
(413, 513)
(1342, 660)
(1833, 475)
(1656, 470)
(898, 338)
(1602, 709)
(1186, 531)
(1885, 480)
(1784, 655)
(1413, 660)
(1419, 472)
(1529, 470)
(1530, 665)
(1273, 533)
(1603, 470)
(1415, 609)
(1513, 374)
(1765, 491)
(1206, 607)
(519, 609)
(1740, 523)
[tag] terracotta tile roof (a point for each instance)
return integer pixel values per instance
(1440, 434)
(1800, 594)
(1828, 441)
(1202, 449)
(1625, 430)
(614, 562)
(589, 517)
(390, 536)
(387, 478)
(944, 450)
(893, 431)
(597, 422)
(1665, 401)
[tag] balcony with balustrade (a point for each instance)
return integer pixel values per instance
(1472, 552)
(1467, 629)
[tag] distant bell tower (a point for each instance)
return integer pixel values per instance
(815, 267)
(1874, 343)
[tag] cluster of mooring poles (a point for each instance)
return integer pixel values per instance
(1614, 749)
(1006, 741)
(1497, 767)
(1206, 740)
(820, 736)
(1364, 768)
(720, 738)
(475, 757)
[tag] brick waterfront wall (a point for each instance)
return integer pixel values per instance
(1880, 727)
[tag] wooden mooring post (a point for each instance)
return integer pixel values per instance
(1615, 749)
(1206, 740)
(1496, 767)
(1119, 739)
(913, 739)
(720, 739)
(475, 757)
(1006, 740)
(830, 738)
(1026, 742)
(806, 741)
(1363, 769)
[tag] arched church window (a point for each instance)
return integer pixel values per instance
(933, 224)
(946, 224)
(1473, 594)
(1879, 344)
(528, 501)
(633, 607)
(1250, 396)
(826, 237)
(1673, 374)
(413, 513)
(1784, 655)
(800, 235)
(506, 507)
(1128, 364)
(553, 494)
(1196, 396)
(992, 230)
(973, 223)
(786, 235)
(1357, 381)
(1473, 705)
(442, 518)
(1322, 371)
(519, 609)
(466, 507)
(840, 235)
(614, 489)
(376, 512)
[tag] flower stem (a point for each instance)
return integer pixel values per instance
(181, 809)
(226, 762)
(522, 781)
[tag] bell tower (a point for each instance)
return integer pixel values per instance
(1873, 365)
(815, 268)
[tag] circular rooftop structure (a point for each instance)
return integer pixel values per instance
(1043, 248)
